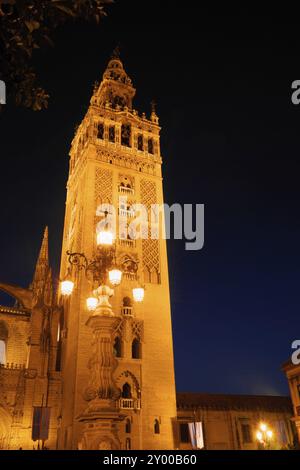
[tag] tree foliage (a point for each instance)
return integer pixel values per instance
(26, 25)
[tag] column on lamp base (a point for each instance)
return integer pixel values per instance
(104, 308)
(102, 416)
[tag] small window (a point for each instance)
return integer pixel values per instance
(184, 432)
(136, 349)
(140, 142)
(58, 357)
(125, 135)
(100, 132)
(127, 302)
(150, 146)
(117, 347)
(156, 427)
(128, 426)
(126, 391)
(128, 443)
(246, 433)
(111, 134)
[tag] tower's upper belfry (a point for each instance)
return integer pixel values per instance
(116, 89)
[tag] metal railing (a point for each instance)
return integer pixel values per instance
(125, 190)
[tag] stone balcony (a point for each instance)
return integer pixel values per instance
(130, 276)
(129, 404)
(128, 243)
(127, 311)
(126, 213)
(125, 190)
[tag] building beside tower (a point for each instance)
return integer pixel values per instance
(292, 372)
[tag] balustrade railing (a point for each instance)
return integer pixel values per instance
(130, 404)
(127, 311)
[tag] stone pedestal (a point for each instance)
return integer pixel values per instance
(101, 426)
(102, 415)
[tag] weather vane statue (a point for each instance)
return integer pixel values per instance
(116, 52)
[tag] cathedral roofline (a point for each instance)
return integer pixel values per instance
(24, 296)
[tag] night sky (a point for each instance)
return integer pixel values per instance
(230, 140)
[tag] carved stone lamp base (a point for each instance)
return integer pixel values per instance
(101, 426)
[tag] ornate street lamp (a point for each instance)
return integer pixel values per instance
(101, 270)
(66, 287)
(264, 436)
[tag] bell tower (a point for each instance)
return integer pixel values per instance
(117, 362)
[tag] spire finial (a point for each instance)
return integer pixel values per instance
(43, 259)
(153, 106)
(44, 248)
(116, 52)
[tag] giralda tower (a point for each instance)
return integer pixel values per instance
(117, 366)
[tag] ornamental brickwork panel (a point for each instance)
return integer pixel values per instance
(103, 186)
(150, 248)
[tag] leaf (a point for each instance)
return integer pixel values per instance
(32, 25)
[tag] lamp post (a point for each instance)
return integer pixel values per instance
(264, 436)
(102, 270)
(101, 392)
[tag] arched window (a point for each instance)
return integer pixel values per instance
(155, 276)
(147, 276)
(150, 146)
(125, 135)
(126, 391)
(126, 302)
(100, 131)
(128, 426)
(118, 347)
(140, 142)
(156, 427)
(111, 134)
(59, 342)
(136, 349)
(128, 443)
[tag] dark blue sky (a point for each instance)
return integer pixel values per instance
(230, 140)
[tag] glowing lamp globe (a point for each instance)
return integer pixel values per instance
(270, 434)
(66, 287)
(91, 303)
(138, 294)
(105, 237)
(263, 427)
(259, 436)
(115, 277)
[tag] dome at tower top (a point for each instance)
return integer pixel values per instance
(115, 64)
(115, 70)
